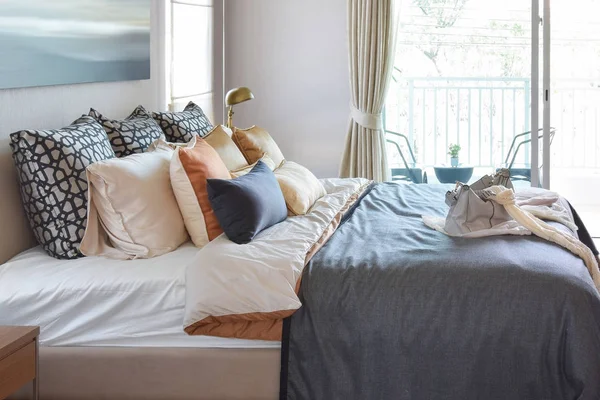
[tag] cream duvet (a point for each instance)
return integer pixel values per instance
(244, 291)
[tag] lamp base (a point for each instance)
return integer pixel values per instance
(230, 117)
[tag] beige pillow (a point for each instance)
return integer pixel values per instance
(220, 140)
(255, 142)
(132, 211)
(243, 171)
(301, 189)
(158, 143)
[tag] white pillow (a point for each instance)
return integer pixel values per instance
(132, 211)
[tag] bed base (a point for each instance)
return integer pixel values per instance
(124, 373)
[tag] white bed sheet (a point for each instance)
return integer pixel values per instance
(95, 301)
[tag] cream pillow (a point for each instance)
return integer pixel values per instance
(190, 168)
(243, 171)
(255, 142)
(301, 189)
(220, 140)
(132, 210)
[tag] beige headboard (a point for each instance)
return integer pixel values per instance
(15, 234)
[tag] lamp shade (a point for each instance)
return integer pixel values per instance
(238, 95)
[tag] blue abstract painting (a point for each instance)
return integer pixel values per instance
(54, 42)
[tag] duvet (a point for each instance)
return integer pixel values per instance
(377, 305)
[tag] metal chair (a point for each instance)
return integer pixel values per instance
(411, 171)
(522, 172)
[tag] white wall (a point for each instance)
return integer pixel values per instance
(55, 107)
(294, 57)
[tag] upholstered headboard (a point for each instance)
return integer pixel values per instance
(15, 235)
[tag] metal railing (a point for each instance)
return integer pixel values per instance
(484, 114)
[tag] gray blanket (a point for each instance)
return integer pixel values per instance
(394, 310)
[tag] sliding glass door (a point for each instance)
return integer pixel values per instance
(462, 77)
(513, 83)
(574, 64)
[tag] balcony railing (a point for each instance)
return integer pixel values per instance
(484, 114)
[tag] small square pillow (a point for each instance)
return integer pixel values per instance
(51, 168)
(236, 173)
(191, 166)
(131, 135)
(132, 209)
(255, 142)
(220, 140)
(300, 187)
(247, 205)
(181, 127)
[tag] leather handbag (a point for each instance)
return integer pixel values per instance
(471, 207)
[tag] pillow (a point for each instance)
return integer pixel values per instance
(161, 142)
(220, 140)
(51, 168)
(190, 167)
(255, 142)
(132, 209)
(131, 135)
(236, 173)
(247, 205)
(300, 187)
(181, 127)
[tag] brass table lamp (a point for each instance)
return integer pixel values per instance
(233, 97)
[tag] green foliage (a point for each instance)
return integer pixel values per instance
(445, 13)
(454, 150)
(460, 38)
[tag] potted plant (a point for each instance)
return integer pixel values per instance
(454, 150)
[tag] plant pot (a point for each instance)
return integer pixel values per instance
(454, 161)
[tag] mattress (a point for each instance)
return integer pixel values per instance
(95, 301)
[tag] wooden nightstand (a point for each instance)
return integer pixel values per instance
(18, 359)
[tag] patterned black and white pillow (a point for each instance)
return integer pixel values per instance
(51, 166)
(131, 135)
(180, 127)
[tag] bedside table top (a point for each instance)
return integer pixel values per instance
(12, 338)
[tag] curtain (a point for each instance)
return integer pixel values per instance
(372, 28)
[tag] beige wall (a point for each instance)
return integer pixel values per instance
(55, 107)
(293, 55)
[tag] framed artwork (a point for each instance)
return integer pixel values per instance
(55, 42)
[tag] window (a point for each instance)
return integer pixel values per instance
(189, 53)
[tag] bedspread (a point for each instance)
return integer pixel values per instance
(393, 309)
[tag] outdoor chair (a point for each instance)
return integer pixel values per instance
(522, 171)
(409, 170)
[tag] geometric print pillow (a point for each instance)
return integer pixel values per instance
(133, 134)
(51, 166)
(181, 127)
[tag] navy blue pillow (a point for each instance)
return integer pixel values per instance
(247, 205)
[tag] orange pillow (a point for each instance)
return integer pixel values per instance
(191, 166)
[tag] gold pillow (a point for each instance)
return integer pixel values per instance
(243, 171)
(301, 189)
(255, 142)
(220, 140)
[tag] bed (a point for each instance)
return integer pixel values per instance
(390, 308)
(385, 308)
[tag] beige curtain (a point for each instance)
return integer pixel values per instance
(372, 27)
